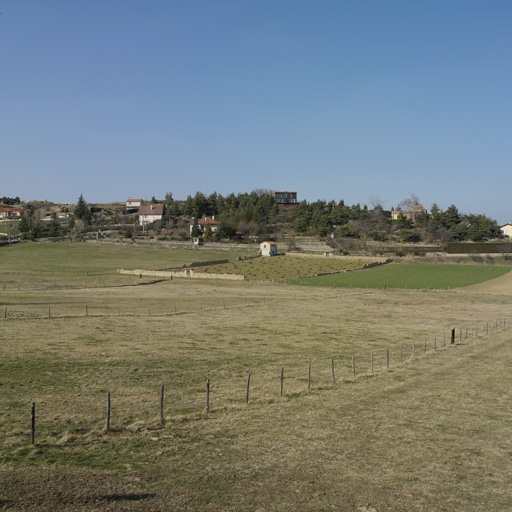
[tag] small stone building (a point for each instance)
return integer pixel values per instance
(268, 249)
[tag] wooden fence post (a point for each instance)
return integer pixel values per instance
(453, 336)
(107, 423)
(282, 379)
(162, 403)
(207, 395)
(33, 423)
(387, 358)
(354, 366)
(247, 389)
(332, 370)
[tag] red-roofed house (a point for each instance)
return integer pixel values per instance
(10, 212)
(148, 213)
(207, 221)
(133, 205)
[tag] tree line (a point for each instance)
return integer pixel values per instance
(256, 214)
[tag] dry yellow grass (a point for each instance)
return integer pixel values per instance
(500, 285)
(429, 434)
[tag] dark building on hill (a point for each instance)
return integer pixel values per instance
(285, 199)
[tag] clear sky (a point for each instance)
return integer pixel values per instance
(335, 99)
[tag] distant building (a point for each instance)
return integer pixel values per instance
(10, 212)
(133, 205)
(207, 221)
(506, 230)
(148, 213)
(409, 214)
(268, 249)
(285, 199)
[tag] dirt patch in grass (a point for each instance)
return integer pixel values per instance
(74, 489)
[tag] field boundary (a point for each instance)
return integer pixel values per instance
(186, 273)
(419, 350)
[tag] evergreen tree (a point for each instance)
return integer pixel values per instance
(82, 211)
(450, 218)
(54, 226)
(196, 230)
(30, 225)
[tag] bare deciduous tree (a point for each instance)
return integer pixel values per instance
(407, 203)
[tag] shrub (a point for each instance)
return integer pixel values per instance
(409, 236)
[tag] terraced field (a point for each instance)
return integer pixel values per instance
(287, 267)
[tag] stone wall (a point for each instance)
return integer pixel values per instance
(187, 273)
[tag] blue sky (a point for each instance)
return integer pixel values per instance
(357, 100)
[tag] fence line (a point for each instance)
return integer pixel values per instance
(48, 313)
(500, 325)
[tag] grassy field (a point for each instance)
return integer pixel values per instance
(428, 433)
(418, 276)
(287, 267)
(72, 263)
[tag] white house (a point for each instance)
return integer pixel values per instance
(268, 249)
(148, 213)
(207, 221)
(506, 230)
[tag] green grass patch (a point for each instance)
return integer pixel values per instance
(411, 276)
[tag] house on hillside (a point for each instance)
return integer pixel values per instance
(506, 230)
(268, 249)
(148, 213)
(10, 212)
(206, 221)
(285, 199)
(409, 214)
(133, 205)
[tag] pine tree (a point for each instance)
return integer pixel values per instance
(81, 210)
